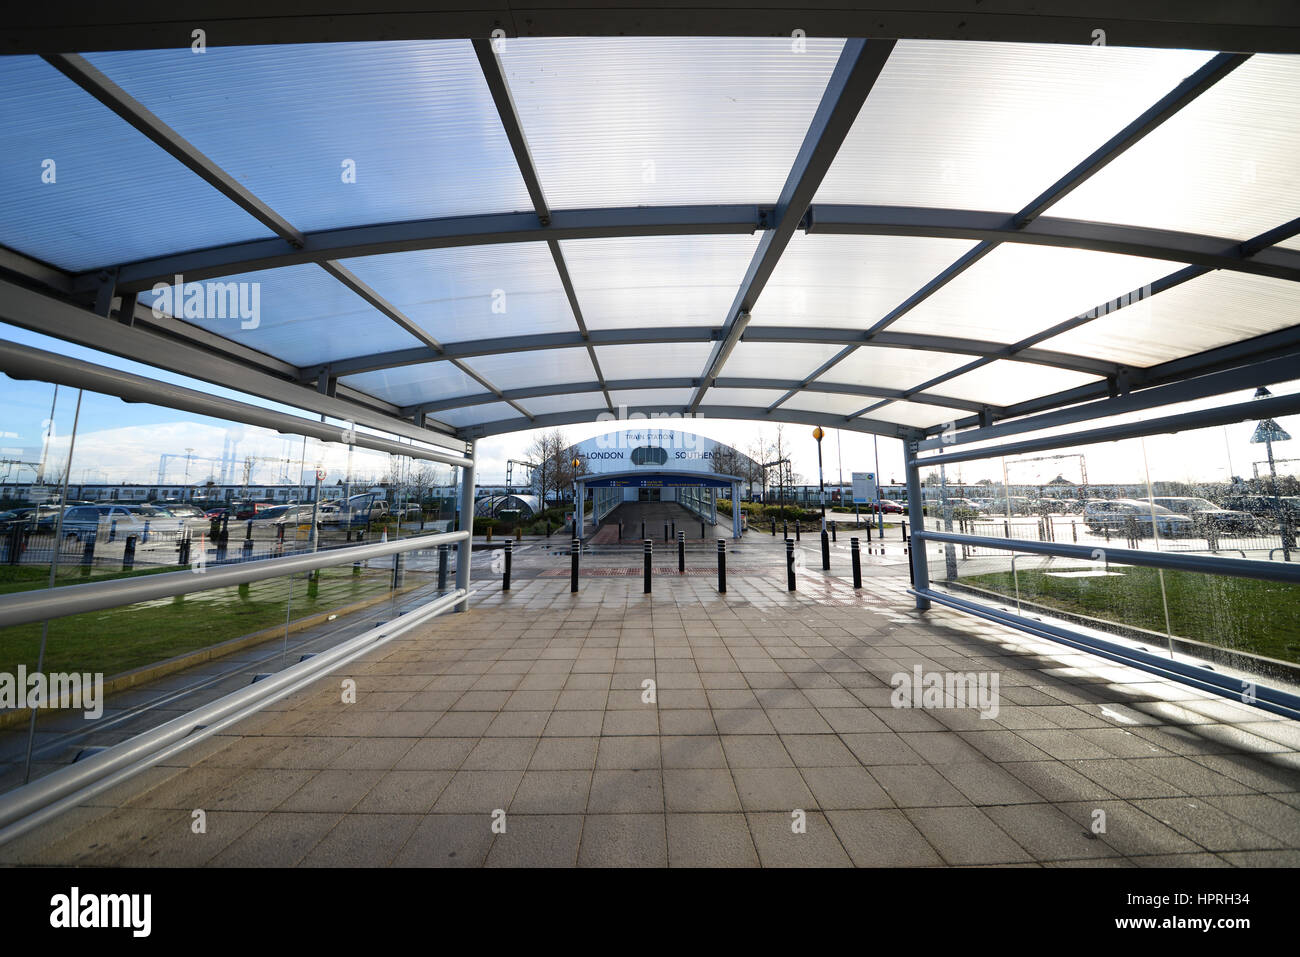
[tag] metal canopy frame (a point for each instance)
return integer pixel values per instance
(110, 291)
(1265, 26)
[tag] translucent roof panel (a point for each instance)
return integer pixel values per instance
(775, 360)
(337, 134)
(411, 385)
(83, 189)
(300, 314)
(666, 399)
(917, 414)
(1224, 165)
(478, 414)
(758, 398)
(1214, 310)
(849, 282)
(1019, 289)
(657, 280)
(1005, 382)
(524, 370)
(546, 405)
(473, 292)
(655, 360)
(627, 121)
(828, 403)
(992, 125)
(886, 368)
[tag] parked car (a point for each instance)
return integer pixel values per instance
(245, 510)
(1119, 515)
(284, 515)
(1208, 515)
(1265, 506)
(102, 522)
(887, 507)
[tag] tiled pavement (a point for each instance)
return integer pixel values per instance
(532, 705)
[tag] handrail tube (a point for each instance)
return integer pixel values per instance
(25, 362)
(55, 792)
(1277, 405)
(1175, 561)
(1268, 699)
(25, 607)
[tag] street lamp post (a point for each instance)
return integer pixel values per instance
(576, 504)
(821, 484)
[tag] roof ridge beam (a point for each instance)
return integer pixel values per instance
(859, 65)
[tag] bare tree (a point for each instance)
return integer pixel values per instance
(553, 478)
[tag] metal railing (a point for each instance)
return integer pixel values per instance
(31, 805)
(46, 603)
(1176, 561)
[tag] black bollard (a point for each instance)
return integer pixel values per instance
(112, 530)
(643, 531)
(145, 539)
(785, 529)
(88, 552)
(833, 538)
(442, 567)
(774, 528)
(128, 554)
(505, 580)
(789, 565)
(868, 533)
(398, 572)
(620, 531)
(826, 551)
(665, 531)
(183, 558)
(649, 550)
(856, 552)
(722, 566)
(573, 565)
(797, 536)
(701, 531)
(681, 553)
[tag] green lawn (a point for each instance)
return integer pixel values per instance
(120, 639)
(1243, 614)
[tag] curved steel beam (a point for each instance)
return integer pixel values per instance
(582, 388)
(1265, 25)
(823, 219)
(744, 413)
(660, 334)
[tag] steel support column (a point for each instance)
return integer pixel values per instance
(916, 518)
(466, 548)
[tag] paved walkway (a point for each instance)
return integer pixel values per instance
(529, 712)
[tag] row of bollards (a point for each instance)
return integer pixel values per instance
(855, 550)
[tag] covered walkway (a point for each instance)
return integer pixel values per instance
(766, 704)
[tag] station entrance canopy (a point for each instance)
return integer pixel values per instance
(455, 238)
